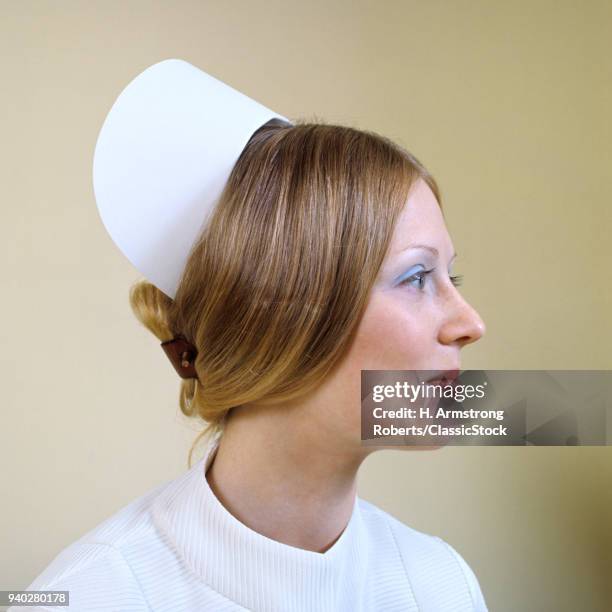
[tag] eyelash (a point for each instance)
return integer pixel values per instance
(456, 280)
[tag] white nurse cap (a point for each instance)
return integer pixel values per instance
(162, 159)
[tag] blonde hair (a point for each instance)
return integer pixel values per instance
(275, 287)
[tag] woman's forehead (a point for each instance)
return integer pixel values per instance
(420, 222)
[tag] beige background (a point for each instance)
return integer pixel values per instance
(506, 103)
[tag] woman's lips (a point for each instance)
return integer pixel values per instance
(451, 375)
(445, 377)
(441, 381)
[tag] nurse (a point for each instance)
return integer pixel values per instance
(281, 258)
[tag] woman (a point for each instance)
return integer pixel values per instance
(327, 254)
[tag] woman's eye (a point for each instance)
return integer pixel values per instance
(419, 277)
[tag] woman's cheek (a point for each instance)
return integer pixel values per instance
(390, 336)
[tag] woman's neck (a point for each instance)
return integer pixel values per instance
(283, 477)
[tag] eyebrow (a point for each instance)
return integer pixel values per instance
(426, 247)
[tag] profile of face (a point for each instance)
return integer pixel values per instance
(416, 318)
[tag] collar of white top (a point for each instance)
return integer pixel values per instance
(247, 567)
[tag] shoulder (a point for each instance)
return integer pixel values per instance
(429, 562)
(97, 569)
(96, 576)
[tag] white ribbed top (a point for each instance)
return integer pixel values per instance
(177, 549)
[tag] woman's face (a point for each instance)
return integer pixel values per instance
(416, 318)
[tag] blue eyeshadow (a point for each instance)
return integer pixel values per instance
(408, 273)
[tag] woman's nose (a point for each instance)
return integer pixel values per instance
(463, 324)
